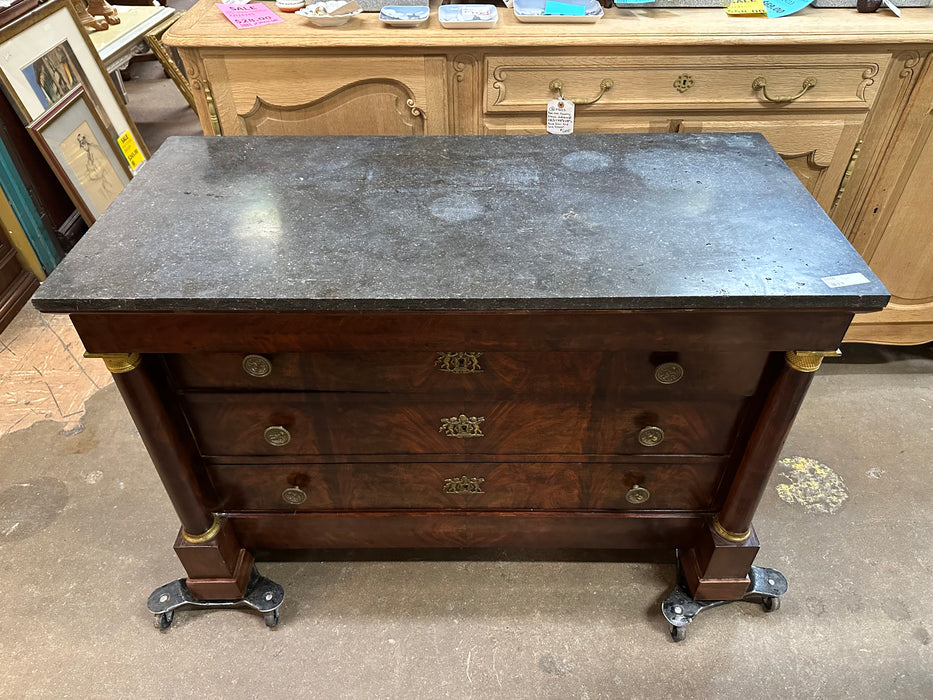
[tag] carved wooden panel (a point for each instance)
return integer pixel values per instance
(377, 107)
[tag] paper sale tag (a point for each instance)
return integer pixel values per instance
(245, 16)
(845, 280)
(746, 7)
(131, 152)
(560, 117)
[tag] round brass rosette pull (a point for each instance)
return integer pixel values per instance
(277, 435)
(637, 495)
(650, 436)
(294, 496)
(669, 373)
(257, 366)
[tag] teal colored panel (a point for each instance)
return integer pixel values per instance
(21, 203)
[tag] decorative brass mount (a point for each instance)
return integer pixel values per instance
(459, 362)
(118, 362)
(808, 360)
(728, 534)
(206, 536)
(464, 484)
(558, 87)
(462, 426)
(294, 496)
(637, 495)
(760, 83)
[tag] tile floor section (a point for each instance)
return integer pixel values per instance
(44, 374)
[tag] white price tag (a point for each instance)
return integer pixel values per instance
(845, 280)
(560, 117)
(891, 6)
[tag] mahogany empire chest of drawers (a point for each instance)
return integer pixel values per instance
(592, 341)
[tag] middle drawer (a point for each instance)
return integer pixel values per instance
(279, 424)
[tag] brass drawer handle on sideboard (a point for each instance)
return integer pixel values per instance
(558, 87)
(257, 366)
(761, 84)
(650, 436)
(462, 426)
(277, 435)
(459, 362)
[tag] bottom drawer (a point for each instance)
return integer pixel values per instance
(691, 485)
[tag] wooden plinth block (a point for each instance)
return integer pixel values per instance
(717, 569)
(218, 569)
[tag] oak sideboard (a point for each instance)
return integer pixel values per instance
(844, 97)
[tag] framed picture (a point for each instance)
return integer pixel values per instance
(46, 54)
(82, 153)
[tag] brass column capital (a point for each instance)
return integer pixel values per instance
(118, 362)
(808, 360)
(205, 536)
(728, 534)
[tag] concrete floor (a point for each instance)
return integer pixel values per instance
(86, 534)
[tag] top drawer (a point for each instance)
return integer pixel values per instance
(640, 83)
(665, 374)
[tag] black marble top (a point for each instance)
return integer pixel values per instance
(629, 221)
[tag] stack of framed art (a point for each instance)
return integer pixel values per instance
(53, 77)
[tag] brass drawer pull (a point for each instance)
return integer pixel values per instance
(761, 84)
(651, 436)
(277, 435)
(558, 87)
(462, 426)
(669, 373)
(294, 496)
(464, 484)
(637, 495)
(459, 362)
(257, 366)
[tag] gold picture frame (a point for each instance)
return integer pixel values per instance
(166, 57)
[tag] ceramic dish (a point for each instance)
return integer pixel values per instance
(533, 11)
(467, 16)
(404, 15)
(318, 13)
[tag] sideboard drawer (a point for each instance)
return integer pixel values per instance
(687, 485)
(661, 374)
(274, 425)
(709, 81)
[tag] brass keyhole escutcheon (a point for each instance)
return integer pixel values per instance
(669, 373)
(459, 362)
(257, 366)
(462, 426)
(294, 496)
(650, 436)
(277, 435)
(683, 83)
(637, 495)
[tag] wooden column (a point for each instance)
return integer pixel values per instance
(716, 568)
(218, 567)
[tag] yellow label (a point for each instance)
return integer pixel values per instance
(131, 151)
(746, 7)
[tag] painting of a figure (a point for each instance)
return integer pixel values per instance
(90, 165)
(53, 74)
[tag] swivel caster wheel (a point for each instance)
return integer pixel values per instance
(164, 620)
(271, 618)
(678, 634)
(771, 604)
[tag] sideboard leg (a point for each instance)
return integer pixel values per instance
(765, 587)
(217, 567)
(261, 594)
